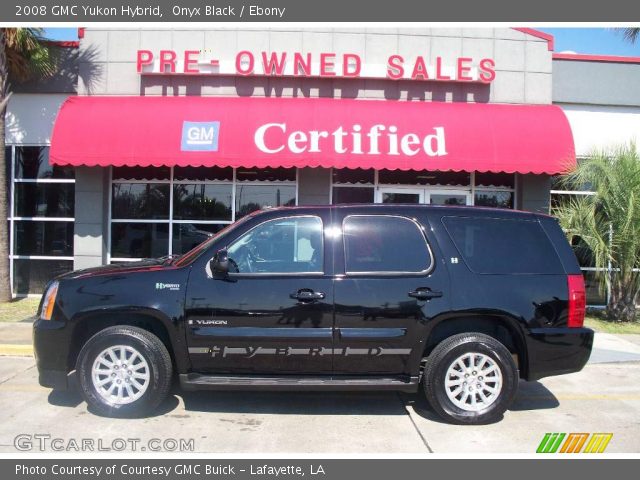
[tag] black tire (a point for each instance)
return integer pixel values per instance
(445, 354)
(149, 347)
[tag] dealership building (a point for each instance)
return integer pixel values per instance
(147, 141)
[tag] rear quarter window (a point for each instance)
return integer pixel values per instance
(503, 246)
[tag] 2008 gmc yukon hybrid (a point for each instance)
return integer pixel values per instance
(460, 302)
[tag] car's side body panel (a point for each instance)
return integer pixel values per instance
(367, 325)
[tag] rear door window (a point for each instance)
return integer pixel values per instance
(384, 244)
(503, 246)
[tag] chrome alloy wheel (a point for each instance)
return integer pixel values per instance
(473, 382)
(120, 374)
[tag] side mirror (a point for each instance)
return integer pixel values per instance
(219, 264)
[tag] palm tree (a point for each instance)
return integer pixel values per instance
(631, 34)
(24, 54)
(608, 223)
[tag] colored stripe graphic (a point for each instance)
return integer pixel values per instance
(598, 442)
(550, 443)
(574, 443)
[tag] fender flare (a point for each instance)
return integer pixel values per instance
(513, 326)
(127, 315)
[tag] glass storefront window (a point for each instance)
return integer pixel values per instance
(141, 173)
(44, 199)
(202, 201)
(211, 174)
(493, 180)
(139, 240)
(353, 176)
(33, 163)
(494, 199)
(250, 198)
(266, 174)
(412, 177)
(347, 195)
(189, 235)
(160, 211)
(41, 218)
(140, 201)
(31, 276)
(43, 238)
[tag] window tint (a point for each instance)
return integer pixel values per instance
(287, 245)
(384, 244)
(491, 245)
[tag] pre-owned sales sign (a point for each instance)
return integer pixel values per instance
(326, 65)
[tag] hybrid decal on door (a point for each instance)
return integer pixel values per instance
(250, 352)
(200, 136)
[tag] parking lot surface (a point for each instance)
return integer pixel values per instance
(604, 397)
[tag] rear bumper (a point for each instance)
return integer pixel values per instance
(556, 351)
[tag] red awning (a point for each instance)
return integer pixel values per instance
(303, 132)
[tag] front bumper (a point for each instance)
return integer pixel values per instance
(51, 351)
(556, 351)
(56, 379)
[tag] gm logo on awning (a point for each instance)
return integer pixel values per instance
(200, 136)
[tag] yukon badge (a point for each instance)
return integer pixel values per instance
(211, 322)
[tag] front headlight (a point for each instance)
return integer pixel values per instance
(49, 301)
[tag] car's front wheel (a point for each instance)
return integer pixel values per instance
(124, 371)
(470, 378)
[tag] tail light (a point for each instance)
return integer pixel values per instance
(577, 301)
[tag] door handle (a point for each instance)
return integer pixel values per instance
(307, 295)
(424, 294)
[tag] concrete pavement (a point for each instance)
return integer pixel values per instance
(604, 397)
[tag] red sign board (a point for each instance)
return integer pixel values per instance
(324, 65)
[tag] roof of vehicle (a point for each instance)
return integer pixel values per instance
(397, 208)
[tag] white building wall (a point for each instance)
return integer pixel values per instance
(30, 117)
(600, 126)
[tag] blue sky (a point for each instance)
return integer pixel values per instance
(602, 41)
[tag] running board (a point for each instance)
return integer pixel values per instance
(197, 381)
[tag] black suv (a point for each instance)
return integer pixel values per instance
(461, 302)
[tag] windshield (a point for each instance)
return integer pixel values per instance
(195, 252)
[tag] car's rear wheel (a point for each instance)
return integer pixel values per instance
(470, 378)
(124, 371)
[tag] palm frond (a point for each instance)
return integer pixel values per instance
(609, 221)
(631, 34)
(27, 54)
